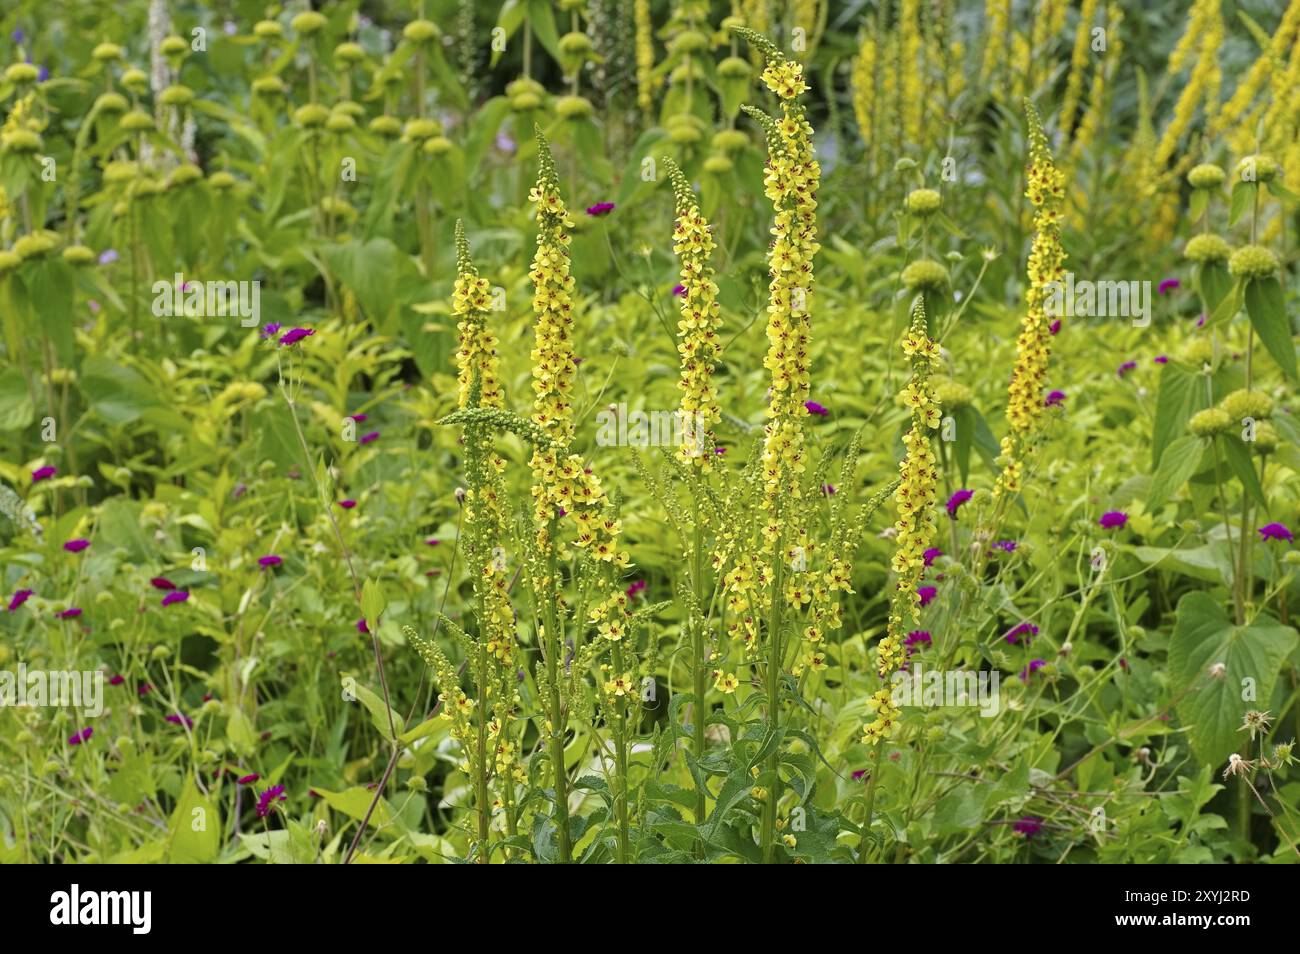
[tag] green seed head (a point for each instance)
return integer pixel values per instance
(718, 164)
(135, 80)
(111, 103)
(688, 42)
(1205, 176)
(735, 68)
(1197, 352)
(267, 30)
(1253, 262)
(106, 52)
(308, 22)
(177, 95)
(1207, 248)
(523, 102)
(575, 44)
(173, 46)
(573, 107)
(438, 146)
(951, 394)
(311, 116)
(387, 126)
(184, 175)
(268, 86)
(1257, 169)
(524, 85)
(418, 130)
(349, 54)
(421, 31)
(20, 140)
(730, 140)
(20, 73)
(9, 261)
(1243, 403)
(925, 274)
(340, 122)
(923, 202)
(35, 245)
(78, 255)
(221, 180)
(1210, 422)
(1266, 438)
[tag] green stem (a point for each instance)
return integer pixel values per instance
(774, 703)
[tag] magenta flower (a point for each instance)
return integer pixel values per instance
(679, 290)
(1125, 368)
(180, 719)
(859, 775)
(347, 504)
(1006, 546)
(1161, 359)
(828, 490)
(360, 418)
(931, 555)
(1033, 667)
(361, 626)
(19, 598)
(636, 587)
(1200, 322)
(1027, 630)
(116, 680)
(1055, 326)
(108, 256)
(367, 438)
(957, 499)
(83, 736)
(144, 689)
(162, 583)
(814, 408)
(719, 451)
(266, 800)
(296, 335)
(917, 639)
(1029, 826)
(71, 612)
(600, 208)
(1168, 285)
(43, 473)
(271, 330)
(1112, 520)
(1275, 531)
(247, 779)
(76, 546)
(269, 560)
(926, 593)
(1054, 398)
(432, 542)
(175, 596)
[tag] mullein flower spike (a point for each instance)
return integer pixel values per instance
(915, 499)
(1045, 189)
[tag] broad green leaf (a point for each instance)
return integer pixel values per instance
(1243, 200)
(1212, 702)
(195, 828)
(1182, 394)
(1177, 464)
(1266, 306)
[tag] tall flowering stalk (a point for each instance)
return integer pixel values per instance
(864, 94)
(790, 182)
(563, 487)
(1204, 35)
(1045, 189)
(1078, 63)
(915, 530)
(911, 70)
(645, 56)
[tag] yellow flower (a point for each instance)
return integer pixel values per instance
(725, 682)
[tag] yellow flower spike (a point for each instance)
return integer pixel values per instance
(477, 352)
(915, 499)
(645, 55)
(1078, 63)
(1045, 189)
(700, 346)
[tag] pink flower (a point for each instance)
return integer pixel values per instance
(71, 612)
(1161, 359)
(19, 598)
(1275, 531)
(266, 800)
(361, 626)
(43, 473)
(931, 555)
(360, 418)
(1168, 285)
(1055, 326)
(180, 719)
(1112, 520)
(116, 680)
(1125, 368)
(83, 736)
(247, 779)
(1033, 667)
(162, 583)
(957, 499)
(347, 504)
(679, 290)
(1054, 399)
(368, 438)
(636, 588)
(269, 560)
(76, 546)
(926, 593)
(1027, 630)
(175, 596)
(432, 542)
(1027, 826)
(814, 408)
(600, 208)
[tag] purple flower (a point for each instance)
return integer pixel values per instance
(269, 560)
(18, 35)
(1161, 359)
(916, 639)
(83, 736)
(180, 719)
(162, 583)
(505, 144)
(247, 779)
(76, 546)
(1054, 398)
(296, 335)
(1055, 326)
(1029, 826)
(230, 28)
(266, 800)
(1033, 667)
(600, 208)
(814, 408)
(931, 555)
(719, 451)
(347, 504)
(828, 490)
(271, 330)
(957, 499)
(361, 626)
(144, 689)
(859, 775)
(1200, 322)
(1168, 285)
(42, 74)
(368, 438)
(1125, 368)
(43, 473)
(116, 680)
(1027, 630)
(1112, 520)
(108, 256)
(1275, 531)
(359, 418)
(636, 587)
(679, 290)
(926, 593)
(175, 596)
(72, 612)
(19, 598)
(1006, 546)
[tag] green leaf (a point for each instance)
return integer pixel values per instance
(16, 407)
(1266, 306)
(195, 828)
(1228, 307)
(1182, 394)
(1238, 457)
(372, 602)
(1243, 200)
(1212, 702)
(1177, 464)
(355, 802)
(1214, 283)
